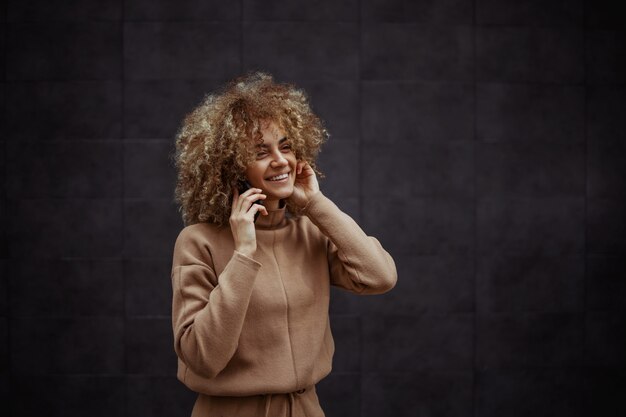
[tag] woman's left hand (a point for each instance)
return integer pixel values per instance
(305, 186)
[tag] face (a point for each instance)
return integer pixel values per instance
(274, 169)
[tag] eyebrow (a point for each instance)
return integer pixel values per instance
(280, 142)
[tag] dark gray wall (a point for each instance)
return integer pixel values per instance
(482, 141)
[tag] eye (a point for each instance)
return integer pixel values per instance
(286, 147)
(261, 154)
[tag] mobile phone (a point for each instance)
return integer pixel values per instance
(244, 186)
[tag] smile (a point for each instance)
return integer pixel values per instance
(279, 177)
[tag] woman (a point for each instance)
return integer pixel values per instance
(250, 297)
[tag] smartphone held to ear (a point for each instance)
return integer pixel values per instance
(244, 186)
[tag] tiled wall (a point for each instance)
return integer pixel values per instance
(482, 141)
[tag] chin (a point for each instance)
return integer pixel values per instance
(285, 195)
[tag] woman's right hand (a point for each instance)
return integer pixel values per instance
(242, 219)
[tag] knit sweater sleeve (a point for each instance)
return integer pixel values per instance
(208, 311)
(357, 262)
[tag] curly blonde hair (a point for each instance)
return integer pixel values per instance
(216, 141)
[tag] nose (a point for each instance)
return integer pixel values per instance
(278, 160)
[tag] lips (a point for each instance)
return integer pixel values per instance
(279, 177)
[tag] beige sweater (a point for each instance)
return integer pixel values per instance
(246, 326)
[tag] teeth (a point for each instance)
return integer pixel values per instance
(279, 177)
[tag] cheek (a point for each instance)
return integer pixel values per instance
(254, 171)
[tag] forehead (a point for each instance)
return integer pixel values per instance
(271, 132)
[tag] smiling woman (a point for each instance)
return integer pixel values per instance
(251, 296)
(217, 141)
(274, 167)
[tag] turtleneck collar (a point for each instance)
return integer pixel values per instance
(275, 218)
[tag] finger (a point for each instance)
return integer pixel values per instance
(254, 197)
(251, 191)
(244, 195)
(299, 167)
(258, 207)
(248, 201)
(307, 171)
(235, 197)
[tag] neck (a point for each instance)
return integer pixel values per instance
(275, 218)
(274, 204)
